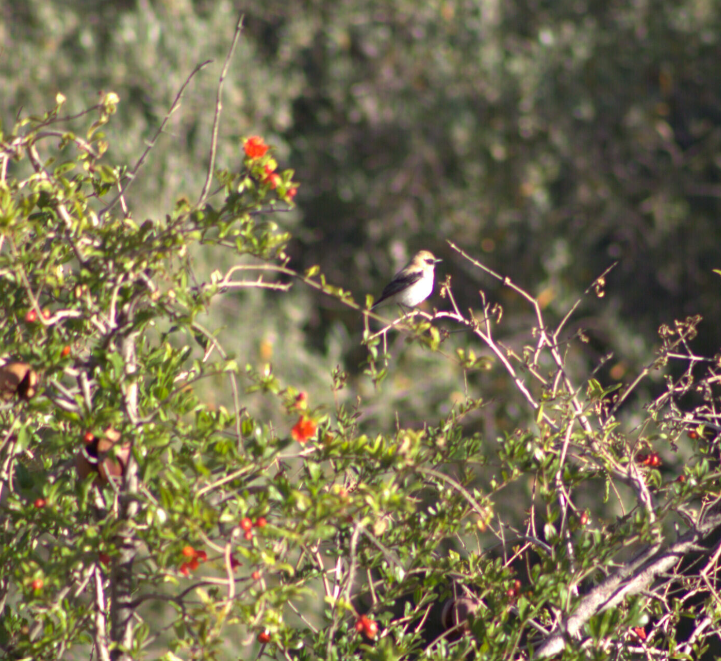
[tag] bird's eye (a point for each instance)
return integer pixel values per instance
(430, 261)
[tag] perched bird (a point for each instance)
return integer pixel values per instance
(413, 284)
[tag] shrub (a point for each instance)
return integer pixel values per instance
(140, 520)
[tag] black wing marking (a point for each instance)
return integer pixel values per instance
(398, 284)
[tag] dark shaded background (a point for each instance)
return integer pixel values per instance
(549, 139)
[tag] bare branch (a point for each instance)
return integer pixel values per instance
(218, 109)
(132, 174)
(632, 578)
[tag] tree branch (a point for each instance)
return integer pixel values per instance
(632, 578)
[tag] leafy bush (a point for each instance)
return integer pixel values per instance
(139, 519)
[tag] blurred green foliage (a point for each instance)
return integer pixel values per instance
(554, 138)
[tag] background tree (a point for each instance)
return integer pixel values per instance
(557, 139)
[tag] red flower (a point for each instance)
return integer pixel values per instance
(196, 557)
(640, 632)
(303, 430)
(255, 147)
(291, 193)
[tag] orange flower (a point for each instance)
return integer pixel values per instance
(255, 147)
(196, 557)
(303, 430)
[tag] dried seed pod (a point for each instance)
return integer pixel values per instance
(457, 612)
(18, 378)
(86, 463)
(99, 456)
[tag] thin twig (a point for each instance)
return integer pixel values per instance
(218, 110)
(132, 174)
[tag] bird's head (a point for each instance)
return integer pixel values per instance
(424, 260)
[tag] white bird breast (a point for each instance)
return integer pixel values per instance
(417, 292)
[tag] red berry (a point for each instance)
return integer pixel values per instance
(517, 585)
(46, 314)
(37, 584)
(188, 552)
(246, 523)
(255, 575)
(511, 593)
(359, 626)
(104, 558)
(370, 628)
(40, 503)
(271, 178)
(260, 522)
(185, 569)
(248, 535)
(89, 437)
(681, 479)
(263, 637)
(693, 434)
(65, 352)
(202, 556)
(194, 564)
(584, 518)
(31, 316)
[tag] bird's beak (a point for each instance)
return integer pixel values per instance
(438, 260)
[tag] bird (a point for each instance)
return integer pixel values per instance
(413, 284)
